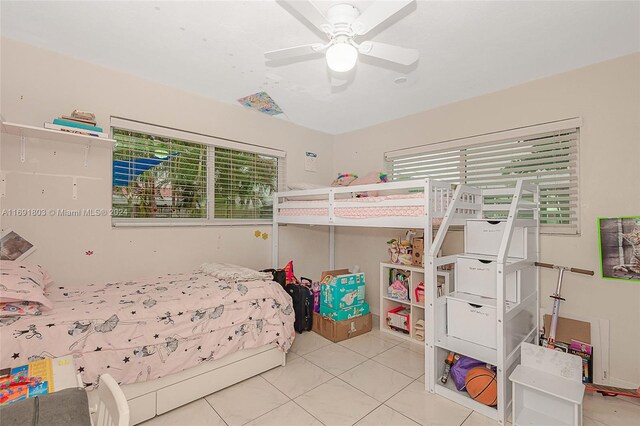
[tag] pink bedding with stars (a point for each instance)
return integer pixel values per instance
(147, 329)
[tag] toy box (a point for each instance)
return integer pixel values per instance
(399, 319)
(342, 291)
(343, 314)
(337, 331)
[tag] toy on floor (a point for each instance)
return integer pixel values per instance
(452, 358)
(482, 386)
(551, 334)
(461, 367)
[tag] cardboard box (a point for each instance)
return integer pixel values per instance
(569, 329)
(343, 314)
(418, 252)
(337, 296)
(335, 272)
(347, 279)
(337, 331)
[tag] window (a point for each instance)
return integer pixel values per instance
(163, 175)
(546, 154)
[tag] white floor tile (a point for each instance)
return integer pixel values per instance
(197, 413)
(403, 360)
(477, 419)
(246, 400)
(426, 408)
(385, 416)
(413, 346)
(292, 355)
(367, 345)
(335, 359)
(387, 336)
(297, 377)
(289, 414)
(376, 380)
(610, 410)
(421, 379)
(308, 342)
(336, 403)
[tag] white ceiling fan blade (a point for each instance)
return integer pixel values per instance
(376, 14)
(389, 52)
(291, 52)
(311, 13)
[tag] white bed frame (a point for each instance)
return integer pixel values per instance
(435, 206)
(154, 397)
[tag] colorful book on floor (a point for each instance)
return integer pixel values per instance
(26, 381)
(69, 123)
(75, 130)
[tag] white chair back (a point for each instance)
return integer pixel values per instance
(112, 407)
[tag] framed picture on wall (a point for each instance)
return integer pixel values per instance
(620, 247)
(14, 247)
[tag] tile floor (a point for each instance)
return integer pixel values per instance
(374, 379)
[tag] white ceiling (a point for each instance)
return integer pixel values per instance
(216, 49)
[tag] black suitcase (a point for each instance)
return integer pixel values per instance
(302, 306)
(279, 276)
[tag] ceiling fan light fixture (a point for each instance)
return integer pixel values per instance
(341, 57)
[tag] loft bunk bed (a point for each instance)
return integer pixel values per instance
(419, 204)
(493, 306)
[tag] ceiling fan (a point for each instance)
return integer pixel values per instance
(342, 25)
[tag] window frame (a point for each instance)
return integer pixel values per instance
(487, 139)
(211, 143)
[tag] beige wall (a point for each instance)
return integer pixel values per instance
(38, 85)
(607, 97)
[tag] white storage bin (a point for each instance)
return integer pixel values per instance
(485, 236)
(472, 318)
(477, 275)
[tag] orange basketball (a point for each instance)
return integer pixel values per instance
(482, 385)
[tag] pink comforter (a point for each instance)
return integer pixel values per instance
(142, 330)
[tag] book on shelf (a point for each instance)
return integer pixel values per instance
(78, 120)
(26, 381)
(76, 130)
(70, 123)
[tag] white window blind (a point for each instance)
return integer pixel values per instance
(545, 154)
(163, 175)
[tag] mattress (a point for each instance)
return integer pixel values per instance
(316, 208)
(150, 328)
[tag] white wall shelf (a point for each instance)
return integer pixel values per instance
(24, 132)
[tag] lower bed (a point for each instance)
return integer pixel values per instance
(148, 330)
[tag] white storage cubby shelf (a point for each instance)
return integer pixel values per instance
(416, 308)
(493, 306)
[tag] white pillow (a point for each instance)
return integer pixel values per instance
(233, 273)
(304, 185)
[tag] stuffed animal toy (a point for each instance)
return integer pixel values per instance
(344, 179)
